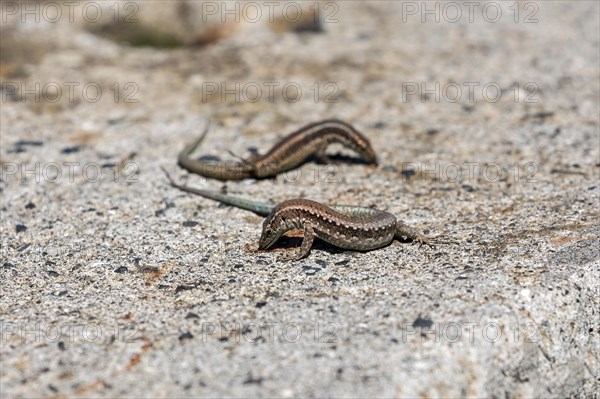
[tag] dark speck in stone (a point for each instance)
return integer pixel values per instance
(121, 269)
(422, 323)
(191, 315)
(21, 228)
(189, 223)
(52, 273)
(30, 205)
(186, 335)
(61, 345)
(261, 304)
(34, 143)
(409, 172)
(184, 287)
(253, 380)
(114, 121)
(70, 150)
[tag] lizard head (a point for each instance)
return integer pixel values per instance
(273, 228)
(284, 217)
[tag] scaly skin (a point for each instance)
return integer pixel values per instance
(287, 154)
(344, 226)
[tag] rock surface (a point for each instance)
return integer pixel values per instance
(486, 125)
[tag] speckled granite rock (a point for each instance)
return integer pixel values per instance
(114, 284)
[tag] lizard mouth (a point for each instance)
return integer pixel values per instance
(266, 242)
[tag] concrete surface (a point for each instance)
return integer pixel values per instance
(115, 285)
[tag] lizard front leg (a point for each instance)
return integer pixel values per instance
(307, 242)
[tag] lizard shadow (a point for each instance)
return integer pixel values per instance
(332, 159)
(338, 158)
(288, 243)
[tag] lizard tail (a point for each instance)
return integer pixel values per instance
(219, 170)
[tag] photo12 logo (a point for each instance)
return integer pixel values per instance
(470, 331)
(48, 333)
(270, 11)
(469, 11)
(55, 172)
(69, 11)
(469, 92)
(286, 332)
(72, 92)
(269, 91)
(471, 172)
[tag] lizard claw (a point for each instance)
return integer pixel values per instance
(424, 241)
(441, 240)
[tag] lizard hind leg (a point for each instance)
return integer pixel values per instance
(244, 161)
(321, 155)
(404, 231)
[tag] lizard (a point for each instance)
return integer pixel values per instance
(287, 154)
(344, 226)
